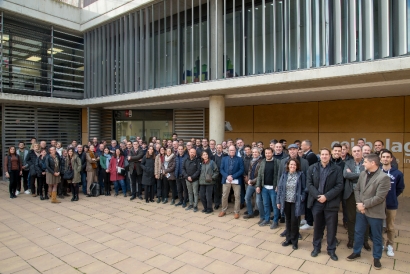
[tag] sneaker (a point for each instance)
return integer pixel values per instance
(274, 225)
(195, 209)
(264, 223)
(306, 227)
(189, 207)
(390, 252)
(17, 192)
(27, 191)
(353, 257)
(303, 222)
(377, 264)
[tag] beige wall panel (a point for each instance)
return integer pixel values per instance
(392, 141)
(406, 174)
(207, 122)
(297, 117)
(289, 137)
(362, 115)
(407, 114)
(241, 118)
(247, 137)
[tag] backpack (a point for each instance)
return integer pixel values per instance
(95, 189)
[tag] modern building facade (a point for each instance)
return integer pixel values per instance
(327, 70)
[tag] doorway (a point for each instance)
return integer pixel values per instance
(130, 130)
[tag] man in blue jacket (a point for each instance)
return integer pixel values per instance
(181, 184)
(396, 188)
(232, 177)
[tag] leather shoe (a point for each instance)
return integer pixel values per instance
(236, 216)
(350, 244)
(333, 256)
(283, 234)
(242, 206)
(353, 257)
(286, 243)
(248, 216)
(178, 204)
(221, 214)
(367, 246)
(133, 197)
(216, 207)
(295, 247)
(315, 252)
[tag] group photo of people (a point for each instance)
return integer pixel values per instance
(281, 184)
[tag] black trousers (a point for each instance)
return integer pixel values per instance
(62, 187)
(133, 180)
(149, 193)
(182, 190)
(14, 181)
(25, 181)
(106, 179)
(205, 193)
(162, 188)
(173, 186)
(33, 178)
(41, 184)
(292, 223)
(308, 214)
(218, 192)
(74, 189)
(324, 218)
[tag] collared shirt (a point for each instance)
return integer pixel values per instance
(369, 176)
(322, 179)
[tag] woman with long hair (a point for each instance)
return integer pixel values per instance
(168, 174)
(105, 164)
(290, 199)
(91, 168)
(208, 177)
(161, 186)
(53, 171)
(63, 185)
(72, 169)
(13, 166)
(115, 169)
(148, 179)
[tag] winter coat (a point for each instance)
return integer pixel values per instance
(50, 164)
(300, 192)
(148, 166)
(256, 172)
(211, 169)
(40, 166)
(158, 166)
(91, 165)
(191, 168)
(76, 166)
(114, 176)
(179, 162)
(260, 182)
(333, 186)
(237, 171)
(31, 160)
(170, 169)
(135, 161)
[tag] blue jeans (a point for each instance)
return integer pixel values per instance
(250, 190)
(116, 187)
(269, 200)
(84, 181)
(376, 226)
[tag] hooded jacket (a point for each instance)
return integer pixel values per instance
(396, 187)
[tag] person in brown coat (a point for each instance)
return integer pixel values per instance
(90, 168)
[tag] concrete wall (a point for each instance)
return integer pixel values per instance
(387, 119)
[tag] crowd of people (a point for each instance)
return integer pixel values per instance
(302, 189)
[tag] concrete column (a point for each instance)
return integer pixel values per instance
(216, 33)
(84, 126)
(217, 118)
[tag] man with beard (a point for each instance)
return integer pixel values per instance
(218, 186)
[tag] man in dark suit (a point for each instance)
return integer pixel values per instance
(325, 183)
(370, 193)
(232, 177)
(134, 158)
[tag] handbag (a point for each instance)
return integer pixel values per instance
(121, 171)
(68, 175)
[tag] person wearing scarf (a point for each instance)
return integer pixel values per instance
(251, 189)
(161, 186)
(105, 164)
(208, 177)
(168, 174)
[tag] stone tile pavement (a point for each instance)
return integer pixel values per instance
(114, 235)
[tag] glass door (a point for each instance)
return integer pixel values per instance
(159, 129)
(129, 130)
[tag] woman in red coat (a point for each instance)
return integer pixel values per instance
(115, 169)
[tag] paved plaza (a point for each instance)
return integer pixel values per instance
(114, 235)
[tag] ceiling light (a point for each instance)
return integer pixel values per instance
(55, 50)
(34, 58)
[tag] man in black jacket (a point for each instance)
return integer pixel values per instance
(324, 183)
(310, 156)
(191, 170)
(134, 158)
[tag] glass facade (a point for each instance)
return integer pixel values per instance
(40, 60)
(169, 43)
